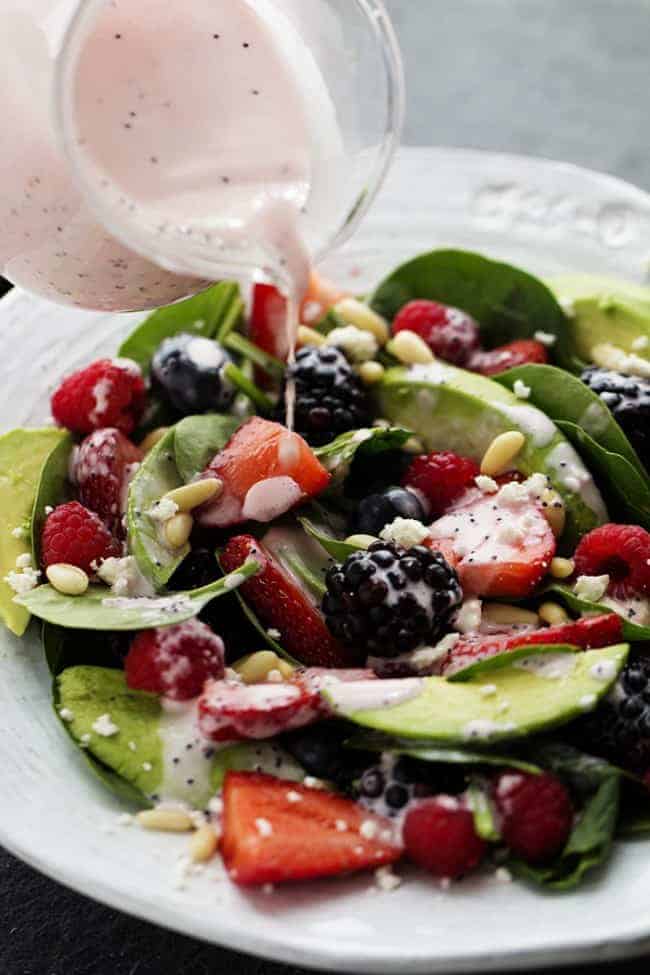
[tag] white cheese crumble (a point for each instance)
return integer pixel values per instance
(468, 618)
(521, 390)
(124, 577)
(163, 510)
(546, 338)
(19, 532)
(640, 343)
(24, 561)
(482, 729)
(293, 796)
(274, 634)
(502, 875)
(341, 825)
(66, 714)
(386, 880)
(104, 726)
(486, 484)
(357, 344)
(488, 690)
(591, 588)
(132, 746)
(23, 582)
(604, 670)
(406, 532)
(263, 826)
(369, 829)
(313, 783)
(147, 766)
(568, 306)
(587, 702)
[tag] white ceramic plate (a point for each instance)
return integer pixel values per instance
(545, 216)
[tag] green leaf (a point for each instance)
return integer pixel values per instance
(425, 752)
(337, 455)
(339, 550)
(248, 388)
(51, 491)
(97, 609)
(197, 439)
(582, 607)
(507, 302)
(485, 822)
(247, 350)
(210, 314)
(65, 648)
(500, 660)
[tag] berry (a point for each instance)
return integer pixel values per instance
(502, 548)
(265, 470)
(75, 535)
(101, 468)
(175, 661)
(267, 326)
(439, 835)
(107, 393)
(450, 333)
(628, 398)
(388, 600)
(276, 831)
(280, 603)
(619, 729)
(378, 510)
(441, 477)
(589, 633)
(320, 750)
(388, 787)
(522, 352)
(620, 551)
(188, 371)
(330, 397)
(536, 814)
(232, 711)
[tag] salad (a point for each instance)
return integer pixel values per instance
(413, 627)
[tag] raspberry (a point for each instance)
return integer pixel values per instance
(439, 836)
(101, 467)
(75, 535)
(522, 352)
(620, 551)
(107, 393)
(536, 814)
(441, 477)
(175, 661)
(451, 334)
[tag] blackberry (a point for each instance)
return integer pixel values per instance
(320, 749)
(628, 398)
(389, 600)
(330, 397)
(378, 510)
(619, 730)
(389, 786)
(188, 372)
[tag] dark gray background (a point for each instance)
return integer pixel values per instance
(566, 79)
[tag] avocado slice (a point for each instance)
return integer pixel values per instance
(22, 456)
(531, 694)
(604, 310)
(452, 409)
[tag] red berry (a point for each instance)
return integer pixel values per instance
(522, 352)
(620, 551)
(75, 535)
(439, 835)
(536, 814)
(442, 477)
(175, 661)
(107, 393)
(451, 334)
(101, 469)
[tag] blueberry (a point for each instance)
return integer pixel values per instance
(378, 510)
(188, 371)
(321, 751)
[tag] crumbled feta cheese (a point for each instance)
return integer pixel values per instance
(163, 510)
(263, 826)
(215, 806)
(147, 766)
(48, 509)
(514, 493)
(568, 307)
(587, 701)
(591, 588)
(406, 532)
(274, 634)
(386, 880)
(357, 344)
(546, 338)
(24, 561)
(510, 535)
(293, 796)
(124, 577)
(125, 819)
(19, 531)
(369, 829)
(66, 714)
(502, 875)
(521, 390)
(488, 690)
(468, 617)
(132, 746)
(341, 825)
(23, 582)
(486, 484)
(313, 783)
(104, 726)
(85, 740)
(604, 670)
(640, 343)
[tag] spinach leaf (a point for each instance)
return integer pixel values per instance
(338, 455)
(507, 302)
(590, 841)
(212, 314)
(50, 492)
(97, 609)
(198, 438)
(338, 549)
(632, 632)
(374, 741)
(508, 657)
(65, 648)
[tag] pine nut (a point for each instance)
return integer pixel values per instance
(553, 614)
(410, 349)
(178, 530)
(203, 844)
(554, 511)
(357, 313)
(69, 580)
(503, 614)
(371, 372)
(414, 446)
(361, 541)
(152, 439)
(190, 496)
(165, 820)
(562, 568)
(501, 452)
(309, 336)
(256, 667)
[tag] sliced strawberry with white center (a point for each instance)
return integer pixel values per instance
(265, 470)
(502, 543)
(274, 832)
(101, 468)
(232, 711)
(281, 604)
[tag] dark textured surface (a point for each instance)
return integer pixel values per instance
(558, 78)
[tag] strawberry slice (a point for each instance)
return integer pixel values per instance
(588, 633)
(502, 543)
(521, 352)
(267, 326)
(279, 603)
(101, 468)
(274, 832)
(265, 470)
